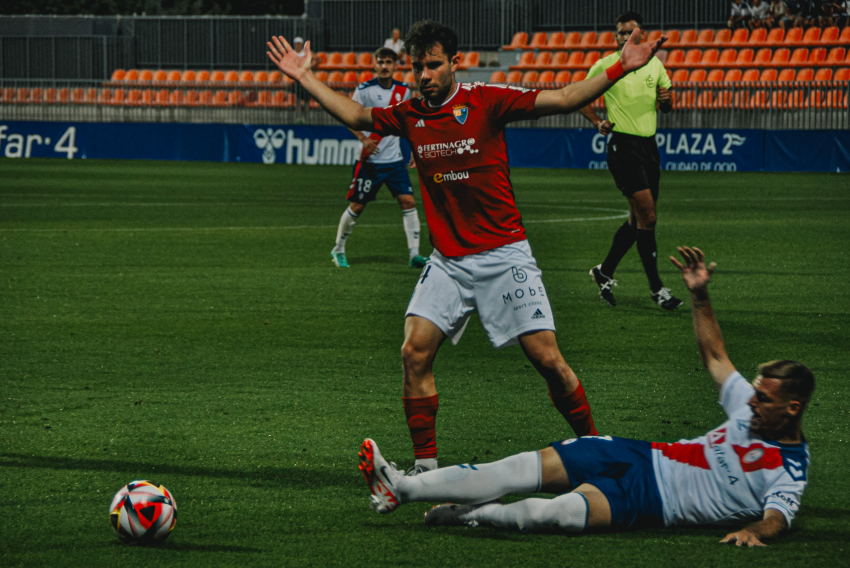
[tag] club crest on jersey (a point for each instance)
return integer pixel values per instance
(461, 112)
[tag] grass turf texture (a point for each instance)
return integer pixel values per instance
(183, 322)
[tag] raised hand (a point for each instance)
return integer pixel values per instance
(635, 55)
(282, 55)
(694, 272)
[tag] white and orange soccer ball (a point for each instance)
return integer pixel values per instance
(143, 512)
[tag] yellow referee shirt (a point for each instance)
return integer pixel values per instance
(631, 101)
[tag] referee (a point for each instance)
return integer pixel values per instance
(633, 160)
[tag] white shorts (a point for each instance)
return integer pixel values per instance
(503, 284)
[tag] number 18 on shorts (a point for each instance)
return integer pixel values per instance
(504, 284)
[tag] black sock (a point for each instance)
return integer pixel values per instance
(648, 250)
(624, 238)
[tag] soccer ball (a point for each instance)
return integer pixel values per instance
(143, 512)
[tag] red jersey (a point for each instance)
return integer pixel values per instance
(462, 158)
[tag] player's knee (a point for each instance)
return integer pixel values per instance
(552, 360)
(414, 357)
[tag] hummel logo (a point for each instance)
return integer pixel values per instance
(537, 315)
(420, 123)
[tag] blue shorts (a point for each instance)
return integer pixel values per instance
(368, 179)
(622, 470)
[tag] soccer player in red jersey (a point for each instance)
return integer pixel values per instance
(481, 257)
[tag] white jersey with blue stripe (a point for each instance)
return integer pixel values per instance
(730, 474)
(371, 94)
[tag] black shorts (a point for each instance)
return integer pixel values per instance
(635, 163)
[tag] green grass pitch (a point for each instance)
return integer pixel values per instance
(183, 322)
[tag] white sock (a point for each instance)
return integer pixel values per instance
(473, 483)
(569, 512)
(346, 225)
(410, 217)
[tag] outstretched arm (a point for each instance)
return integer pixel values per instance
(771, 526)
(577, 95)
(709, 339)
(353, 115)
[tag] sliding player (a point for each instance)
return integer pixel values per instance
(380, 163)
(752, 467)
(481, 257)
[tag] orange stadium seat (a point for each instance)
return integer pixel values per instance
(556, 40)
(117, 98)
(217, 77)
(693, 57)
(133, 98)
(336, 76)
(823, 75)
(192, 98)
(812, 36)
(799, 57)
(37, 95)
(350, 77)
(349, 60)
(836, 56)
(722, 38)
(526, 61)
(514, 77)
(705, 38)
(77, 96)
(559, 60)
(575, 60)
(105, 97)
(781, 57)
(546, 77)
(321, 57)
(608, 52)
(793, 36)
(173, 77)
(220, 99)
(817, 56)
(590, 58)
(578, 76)
(529, 77)
(543, 59)
(572, 39)
(652, 36)
(844, 38)
(787, 75)
(727, 58)
(334, 61)
(187, 76)
(750, 76)
(176, 98)
(64, 96)
(261, 77)
(758, 37)
(246, 77)
(275, 77)
(709, 57)
(131, 76)
(365, 76)
(519, 41)
(148, 97)
(740, 36)
(538, 40)
(202, 77)
(805, 75)
(696, 76)
(472, 59)
(205, 98)
(410, 78)
(91, 96)
(234, 98)
(675, 58)
(404, 61)
(680, 75)
(263, 99)
(768, 75)
(673, 38)
(775, 37)
(763, 56)
(606, 39)
(588, 39)
(159, 76)
(745, 57)
(145, 75)
(562, 77)
(689, 38)
(231, 76)
(498, 77)
(161, 97)
(22, 95)
(715, 76)
(365, 61)
(732, 75)
(322, 76)
(117, 75)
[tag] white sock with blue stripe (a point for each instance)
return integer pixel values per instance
(568, 512)
(346, 225)
(473, 483)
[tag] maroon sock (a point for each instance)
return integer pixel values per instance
(421, 420)
(576, 410)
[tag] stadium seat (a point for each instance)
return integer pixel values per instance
(847, 58)
(588, 39)
(410, 78)
(498, 77)
(514, 77)
(823, 75)
(349, 77)
(590, 58)
(606, 40)
(793, 36)
(526, 61)
(745, 57)
(757, 38)
(131, 76)
(812, 35)
(750, 76)
(705, 38)
(805, 75)
(148, 97)
(336, 76)
(732, 75)
(680, 75)
(105, 97)
(519, 41)
(321, 56)
(159, 76)
(673, 38)
(689, 38)
(78, 96)
(559, 60)
(675, 58)
(817, 56)
(202, 77)
(763, 56)
(91, 96)
(799, 57)
(556, 40)
(405, 62)
(365, 76)
(117, 98)
(205, 98)
(22, 95)
(727, 58)
(176, 98)
(722, 38)
(781, 57)
(264, 99)
(572, 39)
(234, 98)
(709, 57)
(835, 57)
(578, 76)
(836, 98)
(768, 75)
(715, 76)
(161, 97)
(696, 76)
(37, 95)
(575, 60)
(693, 57)
(64, 96)
(322, 76)
(538, 40)
(145, 76)
(740, 36)
(529, 77)
(277, 77)
(844, 38)
(608, 52)
(50, 95)
(546, 77)
(365, 61)
(220, 99)
(216, 77)
(775, 37)
(261, 77)
(187, 76)
(117, 75)
(543, 59)
(334, 61)
(192, 98)
(246, 77)
(471, 59)
(349, 60)
(133, 98)
(172, 77)
(653, 35)
(562, 77)
(787, 75)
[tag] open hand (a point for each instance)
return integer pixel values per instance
(742, 538)
(635, 55)
(694, 272)
(282, 55)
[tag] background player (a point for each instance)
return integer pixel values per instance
(633, 160)
(380, 163)
(481, 257)
(752, 466)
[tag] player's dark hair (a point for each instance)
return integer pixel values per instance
(631, 17)
(383, 52)
(798, 382)
(425, 34)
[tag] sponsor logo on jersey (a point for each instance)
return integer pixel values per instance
(538, 315)
(650, 82)
(446, 149)
(397, 97)
(519, 274)
(420, 123)
(461, 112)
(753, 455)
(716, 437)
(451, 176)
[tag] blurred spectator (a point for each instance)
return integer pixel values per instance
(839, 13)
(395, 43)
(759, 14)
(740, 14)
(793, 15)
(778, 11)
